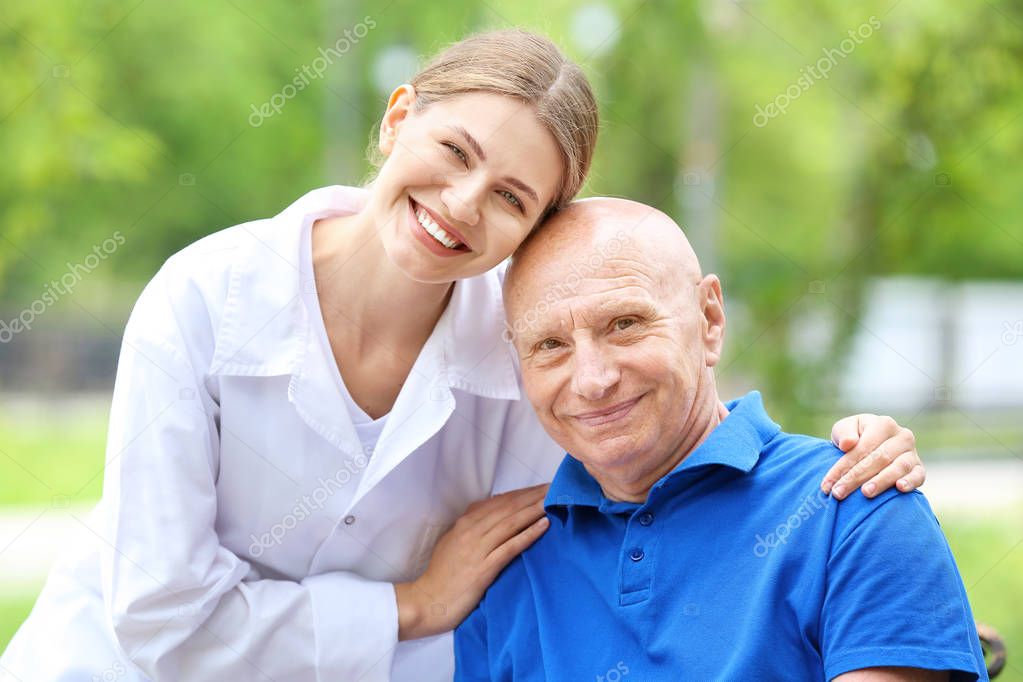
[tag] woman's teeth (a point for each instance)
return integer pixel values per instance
(435, 230)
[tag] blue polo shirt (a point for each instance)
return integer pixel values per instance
(735, 568)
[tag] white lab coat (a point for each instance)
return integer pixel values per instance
(242, 533)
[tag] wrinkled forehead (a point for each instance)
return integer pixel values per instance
(569, 294)
(596, 249)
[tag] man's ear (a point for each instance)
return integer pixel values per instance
(399, 106)
(713, 307)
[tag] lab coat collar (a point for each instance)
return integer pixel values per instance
(265, 329)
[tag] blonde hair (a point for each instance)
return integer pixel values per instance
(529, 68)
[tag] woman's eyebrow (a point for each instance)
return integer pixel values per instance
(477, 149)
(472, 142)
(526, 189)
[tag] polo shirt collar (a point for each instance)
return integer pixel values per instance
(735, 443)
(265, 324)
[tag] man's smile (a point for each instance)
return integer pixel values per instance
(608, 414)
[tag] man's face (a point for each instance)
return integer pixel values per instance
(614, 365)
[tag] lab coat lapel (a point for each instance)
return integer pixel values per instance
(423, 406)
(314, 393)
(467, 352)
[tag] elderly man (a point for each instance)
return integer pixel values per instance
(688, 538)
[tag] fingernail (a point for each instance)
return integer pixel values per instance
(826, 487)
(870, 488)
(902, 483)
(838, 490)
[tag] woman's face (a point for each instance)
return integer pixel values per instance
(465, 181)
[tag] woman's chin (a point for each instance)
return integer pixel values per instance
(420, 267)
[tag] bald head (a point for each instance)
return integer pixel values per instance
(592, 233)
(597, 216)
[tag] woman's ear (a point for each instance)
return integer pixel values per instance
(399, 106)
(713, 309)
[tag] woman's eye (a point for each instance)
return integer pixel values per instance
(457, 152)
(624, 323)
(512, 199)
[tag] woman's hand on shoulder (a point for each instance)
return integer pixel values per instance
(467, 559)
(879, 454)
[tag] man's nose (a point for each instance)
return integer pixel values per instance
(595, 374)
(462, 200)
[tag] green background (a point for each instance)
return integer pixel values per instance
(134, 117)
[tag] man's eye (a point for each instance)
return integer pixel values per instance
(624, 323)
(548, 344)
(457, 152)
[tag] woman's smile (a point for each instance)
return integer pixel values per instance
(433, 232)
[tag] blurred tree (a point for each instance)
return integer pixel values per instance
(58, 140)
(901, 160)
(131, 118)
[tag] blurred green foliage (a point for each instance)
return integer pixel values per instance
(134, 117)
(40, 465)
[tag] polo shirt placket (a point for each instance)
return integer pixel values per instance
(637, 556)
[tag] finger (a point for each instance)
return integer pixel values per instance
(880, 440)
(516, 545)
(511, 525)
(837, 471)
(496, 514)
(846, 432)
(866, 439)
(901, 467)
(874, 431)
(913, 480)
(874, 463)
(480, 509)
(902, 440)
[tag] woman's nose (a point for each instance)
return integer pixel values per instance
(462, 201)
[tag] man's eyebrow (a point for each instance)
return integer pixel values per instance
(606, 310)
(625, 306)
(477, 149)
(533, 334)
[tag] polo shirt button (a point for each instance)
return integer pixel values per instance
(349, 520)
(637, 554)
(646, 518)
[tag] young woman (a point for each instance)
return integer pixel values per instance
(313, 411)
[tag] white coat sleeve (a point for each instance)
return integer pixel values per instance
(182, 606)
